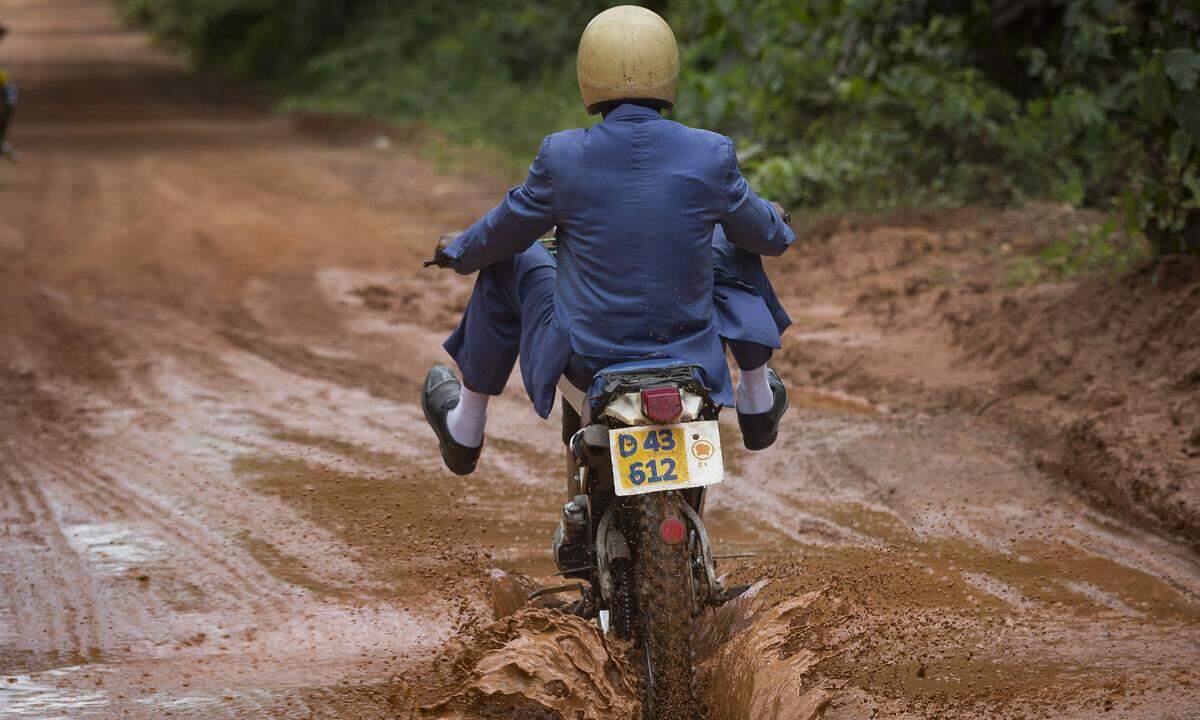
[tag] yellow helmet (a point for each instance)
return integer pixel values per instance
(627, 53)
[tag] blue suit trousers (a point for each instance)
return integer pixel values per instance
(511, 314)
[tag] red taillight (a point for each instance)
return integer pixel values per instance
(672, 531)
(662, 405)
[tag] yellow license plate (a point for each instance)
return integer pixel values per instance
(654, 458)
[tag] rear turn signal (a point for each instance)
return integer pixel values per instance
(672, 531)
(662, 405)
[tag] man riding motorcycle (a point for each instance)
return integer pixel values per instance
(8, 103)
(658, 244)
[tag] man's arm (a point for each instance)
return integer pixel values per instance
(523, 216)
(750, 222)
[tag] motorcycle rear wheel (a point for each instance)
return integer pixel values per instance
(666, 622)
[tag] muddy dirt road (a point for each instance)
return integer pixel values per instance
(217, 497)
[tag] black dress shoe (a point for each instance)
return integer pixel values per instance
(440, 396)
(759, 430)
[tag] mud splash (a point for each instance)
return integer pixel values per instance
(750, 667)
(919, 630)
(542, 662)
(537, 663)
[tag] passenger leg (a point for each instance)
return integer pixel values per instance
(753, 394)
(761, 396)
(8, 102)
(485, 347)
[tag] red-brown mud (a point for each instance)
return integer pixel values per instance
(218, 496)
(1101, 374)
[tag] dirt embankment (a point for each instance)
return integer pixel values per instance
(1100, 375)
(1121, 356)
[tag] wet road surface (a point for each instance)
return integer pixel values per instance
(217, 493)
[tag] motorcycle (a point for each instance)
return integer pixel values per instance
(8, 105)
(643, 446)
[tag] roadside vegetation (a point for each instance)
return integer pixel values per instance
(835, 104)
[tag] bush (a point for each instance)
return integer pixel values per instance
(875, 102)
(835, 103)
(259, 38)
(493, 74)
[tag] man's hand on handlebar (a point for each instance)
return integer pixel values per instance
(440, 259)
(784, 215)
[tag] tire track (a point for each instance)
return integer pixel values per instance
(49, 591)
(227, 583)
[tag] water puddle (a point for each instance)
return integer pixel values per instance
(116, 548)
(51, 693)
(997, 589)
(1103, 597)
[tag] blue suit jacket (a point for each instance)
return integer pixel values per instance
(636, 199)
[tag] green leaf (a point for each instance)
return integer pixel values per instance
(1181, 145)
(1192, 183)
(1153, 91)
(1183, 67)
(1131, 211)
(1187, 114)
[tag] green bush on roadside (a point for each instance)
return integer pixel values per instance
(862, 104)
(877, 102)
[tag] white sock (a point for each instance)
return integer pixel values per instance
(466, 420)
(754, 392)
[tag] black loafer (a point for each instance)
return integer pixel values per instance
(440, 396)
(759, 430)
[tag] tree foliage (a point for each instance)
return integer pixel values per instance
(835, 103)
(869, 102)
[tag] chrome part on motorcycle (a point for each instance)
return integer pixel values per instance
(611, 545)
(543, 592)
(570, 543)
(603, 576)
(708, 565)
